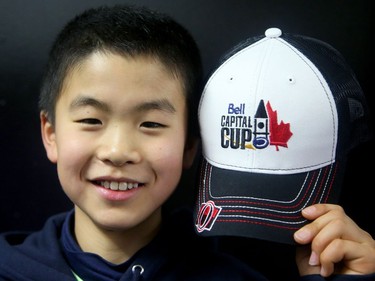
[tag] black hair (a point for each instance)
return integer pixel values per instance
(128, 31)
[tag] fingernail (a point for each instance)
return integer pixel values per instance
(314, 259)
(309, 210)
(302, 235)
(323, 272)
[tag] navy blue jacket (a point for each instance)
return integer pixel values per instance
(176, 254)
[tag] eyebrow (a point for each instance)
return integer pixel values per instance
(83, 101)
(160, 104)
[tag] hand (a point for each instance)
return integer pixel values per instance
(338, 244)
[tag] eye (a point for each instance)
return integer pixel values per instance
(90, 121)
(152, 125)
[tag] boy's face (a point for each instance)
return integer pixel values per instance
(120, 124)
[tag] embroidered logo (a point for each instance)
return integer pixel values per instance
(208, 213)
(240, 131)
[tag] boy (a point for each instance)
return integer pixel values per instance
(118, 108)
(118, 90)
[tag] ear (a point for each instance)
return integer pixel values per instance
(48, 137)
(190, 152)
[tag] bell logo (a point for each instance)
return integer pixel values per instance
(257, 132)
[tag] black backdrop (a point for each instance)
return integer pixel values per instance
(29, 188)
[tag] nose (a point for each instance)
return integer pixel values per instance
(118, 147)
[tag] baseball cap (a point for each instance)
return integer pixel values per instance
(278, 117)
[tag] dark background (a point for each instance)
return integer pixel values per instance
(29, 189)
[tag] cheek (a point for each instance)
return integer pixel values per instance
(168, 163)
(72, 156)
(167, 180)
(71, 150)
(71, 165)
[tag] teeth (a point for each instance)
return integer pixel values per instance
(113, 185)
(122, 186)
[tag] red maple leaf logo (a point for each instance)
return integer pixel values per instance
(279, 133)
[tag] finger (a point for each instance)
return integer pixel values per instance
(358, 261)
(325, 233)
(302, 260)
(321, 241)
(318, 210)
(320, 215)
(325, 215)
(323, 218)
(332, 254)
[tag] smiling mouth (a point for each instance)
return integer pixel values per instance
(114, 185)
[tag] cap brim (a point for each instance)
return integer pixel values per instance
(259, 205)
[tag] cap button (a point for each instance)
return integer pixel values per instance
(273, 32)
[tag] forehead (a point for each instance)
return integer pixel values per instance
(107, 75)
(110, 61)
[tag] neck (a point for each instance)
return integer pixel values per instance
(114, 245)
